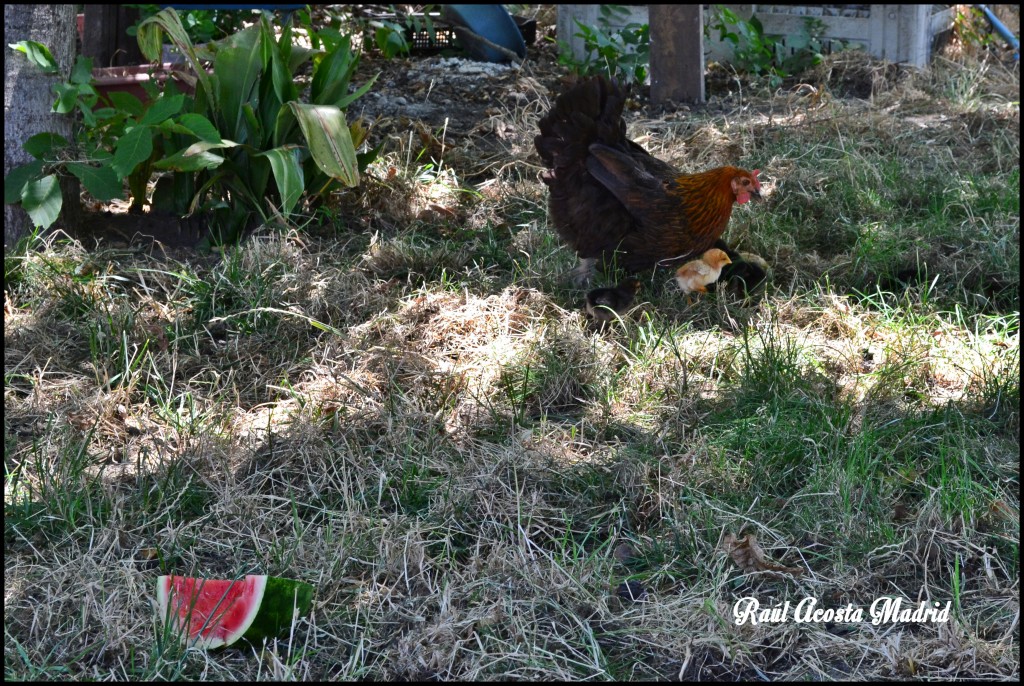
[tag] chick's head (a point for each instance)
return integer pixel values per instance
(716, 258)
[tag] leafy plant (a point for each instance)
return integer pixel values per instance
(621, 53)
(390, 39)
(389, 35)
(773, 56)
(201, 25)
(243, 146)
(974, 29)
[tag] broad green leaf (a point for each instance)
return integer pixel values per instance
(267, 45)
(87, 95)
(101, 182)
(81, 73)
(162, 108)
(67, 96)
(37, 53)
(344, 102)
(42, 146)
(247, 39)
(127, 103)
(287, 167)
(254, 132)
(203, 146)
(282, 52)
(18, 178)
(169, 126)
(42, 200)
(195, 157)
(298, 56)
(270, 102)
(150, 37)
(132, 149)
(201, 127)
(190, 163)
(284, 127)
(332, 73)
(329, 140)
(284, 85)
(237, 71)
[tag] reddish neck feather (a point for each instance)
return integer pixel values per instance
(707, 198)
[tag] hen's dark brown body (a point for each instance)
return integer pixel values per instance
(609, 196)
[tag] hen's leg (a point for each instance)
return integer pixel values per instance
(582, 273)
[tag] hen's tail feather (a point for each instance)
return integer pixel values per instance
(588, 112)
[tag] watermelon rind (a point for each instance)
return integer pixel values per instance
(283, 600)
(269, 609)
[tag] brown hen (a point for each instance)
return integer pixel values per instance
(610, 198)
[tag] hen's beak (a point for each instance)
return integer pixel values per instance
(756, 193)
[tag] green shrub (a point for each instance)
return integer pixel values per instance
(244, 146)
(621, 53)
(201, 25)
(772, 56)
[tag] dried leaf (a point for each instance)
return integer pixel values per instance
(748, 555)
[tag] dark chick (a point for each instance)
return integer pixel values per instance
(604, 304)
(609, 199)
(744, 275)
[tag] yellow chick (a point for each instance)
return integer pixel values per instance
(604, 303)
(697, 274)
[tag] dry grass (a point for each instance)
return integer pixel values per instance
(413, 414)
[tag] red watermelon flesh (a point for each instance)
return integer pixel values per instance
(213, 612)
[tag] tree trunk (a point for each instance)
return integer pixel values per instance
(29, 96)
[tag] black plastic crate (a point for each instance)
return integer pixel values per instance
(421, 42)
(443, 37)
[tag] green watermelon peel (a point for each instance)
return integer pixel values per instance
(217, 613)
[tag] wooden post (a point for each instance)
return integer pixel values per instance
(105, 38)
(677, 53)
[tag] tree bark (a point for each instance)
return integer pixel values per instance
(29, 97)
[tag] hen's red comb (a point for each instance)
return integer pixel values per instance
(754, 174)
